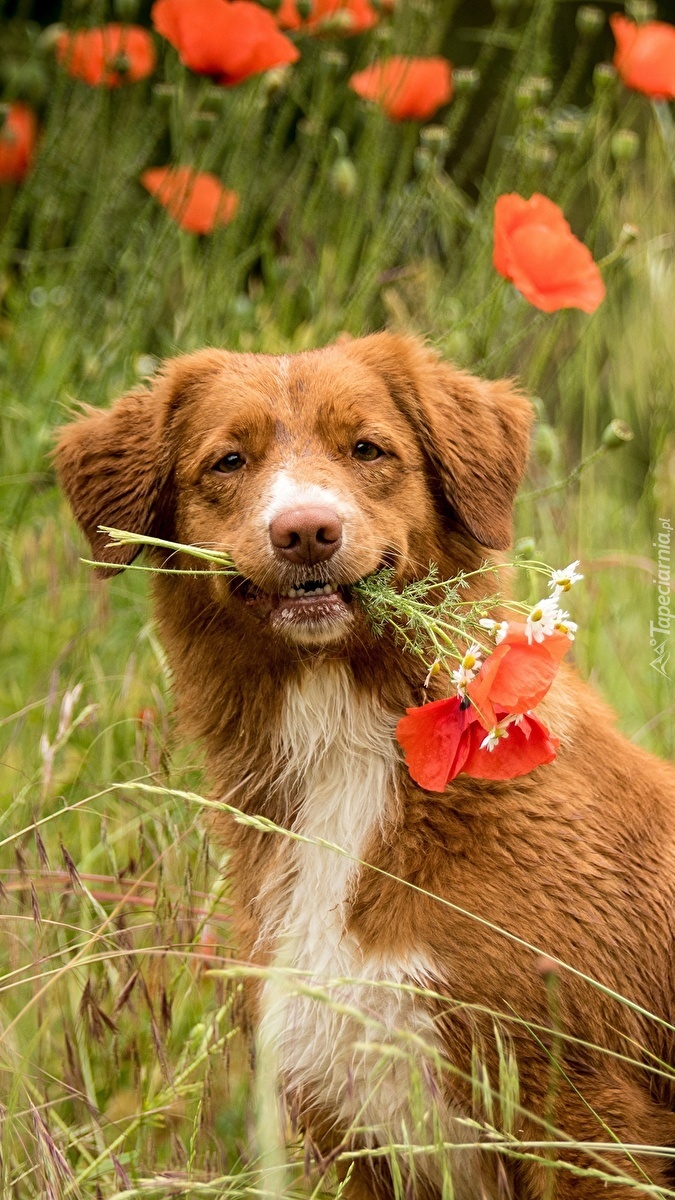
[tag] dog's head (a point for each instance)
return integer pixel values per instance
(311, 470)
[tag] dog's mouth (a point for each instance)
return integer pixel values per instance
(311, 603)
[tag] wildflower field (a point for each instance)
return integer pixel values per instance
(499, 178)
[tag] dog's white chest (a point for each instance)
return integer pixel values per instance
(342, 749)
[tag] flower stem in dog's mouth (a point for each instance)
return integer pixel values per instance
(429, 616)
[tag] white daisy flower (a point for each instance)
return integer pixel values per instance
(499, 629)
(564, 625)
(494, 737)
(541, 620)
(467, 669)
(562, 581)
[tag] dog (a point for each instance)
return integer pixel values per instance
(408, 967)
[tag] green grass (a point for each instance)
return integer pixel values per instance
(121, 1055)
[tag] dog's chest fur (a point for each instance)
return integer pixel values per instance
(340, 748)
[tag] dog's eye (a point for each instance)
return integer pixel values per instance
(367, 451)
(231, 462)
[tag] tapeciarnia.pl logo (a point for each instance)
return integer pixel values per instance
(660, 630)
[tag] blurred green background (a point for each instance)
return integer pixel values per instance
(120, 1058)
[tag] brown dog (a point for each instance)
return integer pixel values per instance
(312, 471)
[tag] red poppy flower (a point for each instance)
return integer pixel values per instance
(228, 41)
(436, 741)
(443, 740)
(645, 56)
(525, 746)
(408, 89)
(108, 55)
(197, 201)
(17, 143)
(516, 676)
(535, 248)
(351, 16)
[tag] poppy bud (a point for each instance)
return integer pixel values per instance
(525, 547)
(49, 37)
(641, 10)
(204, 122)
(617, 434)
(304, 9)
(273, 5)
(566, 129)
(340, 21)
(126, 10)
(424, 160)
(275, 80)
(120, 63)
(435, 138)
(603, 77)
(28, 81)
(589, 20)
(625, 145)
(335, 59)
(540, 85)
(164, 92)
(344, 177)
(545, 445)
(547, 967)
(466, 80)
(539, 117)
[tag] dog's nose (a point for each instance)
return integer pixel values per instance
(306, 535)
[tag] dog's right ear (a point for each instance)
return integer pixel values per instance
(113, 466)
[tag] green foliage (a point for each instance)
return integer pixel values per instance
(121, 1057)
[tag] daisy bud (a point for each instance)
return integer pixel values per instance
(617, 434)
(545, 445)
(466, 80)
(603, 77)
(589, 20)
(625, 145)
(434, 669)
(344, 177)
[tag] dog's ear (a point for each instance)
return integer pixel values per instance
(475, 433)
(112, 465)
(115, 464)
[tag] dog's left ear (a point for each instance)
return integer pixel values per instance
(474, 432)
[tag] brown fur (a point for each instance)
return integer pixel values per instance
(576, 859)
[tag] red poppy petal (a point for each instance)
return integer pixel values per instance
(434, 740)
(645, 56)
(17, 143)
(406, 88)
(527, 746)
(526, 674)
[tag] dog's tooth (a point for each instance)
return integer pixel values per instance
(328, 589)
(291, 593)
